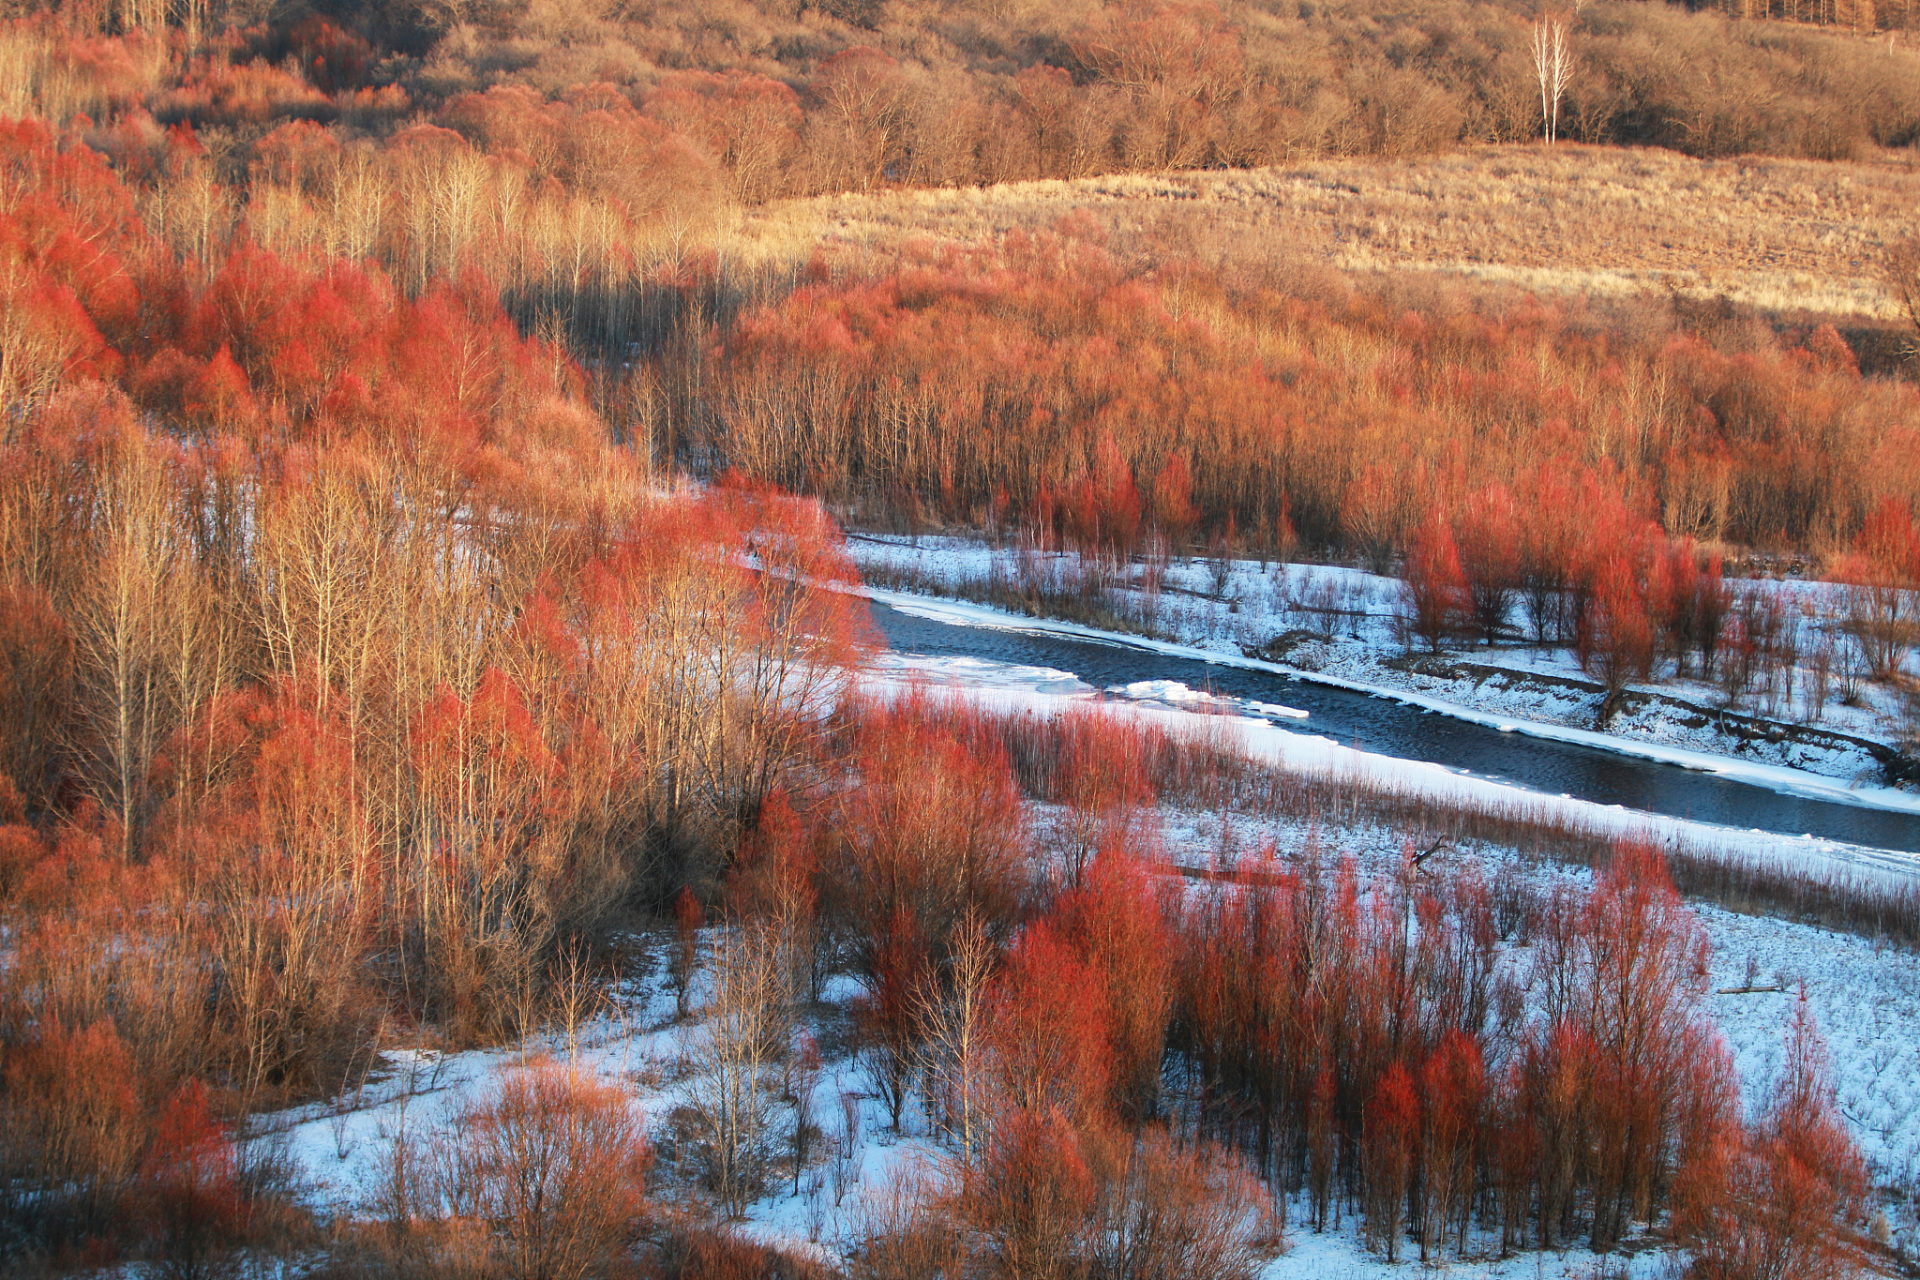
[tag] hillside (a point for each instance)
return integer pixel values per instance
(1795, 239)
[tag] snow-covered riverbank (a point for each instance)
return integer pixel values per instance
(1335, 626)
(1290, 743)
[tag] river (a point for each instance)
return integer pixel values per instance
(1387, 727)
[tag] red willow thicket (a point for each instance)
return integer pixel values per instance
(1585, 571)
(1364, 1044)
(1041, 381)
(1017, 999)
(1746, 1209)
(1629, 599)
(348, 673)
(1453, 1062)
(1530, 473)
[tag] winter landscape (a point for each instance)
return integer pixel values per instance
(987, 639)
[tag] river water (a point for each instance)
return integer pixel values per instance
(1389, 728)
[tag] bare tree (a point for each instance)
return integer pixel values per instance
(951, 1015)
(118, 623)
(743, 1040)
(1552, 67)
(555, 1165)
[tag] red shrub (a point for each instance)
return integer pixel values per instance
(72, 1123)
(1435, 603)
(1488, 532)
(557, 1165)
(1033, 1195)
(1615, 636)
(1452, 1098)
(196, 1209)
(1779, 1201)
(1390, 1143)
(1048, 1024)
(1116, 921)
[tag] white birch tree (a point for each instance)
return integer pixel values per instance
(1552, 68)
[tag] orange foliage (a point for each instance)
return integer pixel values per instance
(1116, 920)
(1435, 600)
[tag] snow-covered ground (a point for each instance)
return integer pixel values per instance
(1866, 998)
(1338, 627)
(1867, 1003)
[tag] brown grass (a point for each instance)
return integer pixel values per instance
(1779, 235)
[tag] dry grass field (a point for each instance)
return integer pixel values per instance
(1785, 236)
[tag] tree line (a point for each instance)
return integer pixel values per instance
(771, 99)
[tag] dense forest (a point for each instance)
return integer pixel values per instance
(419, 577)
